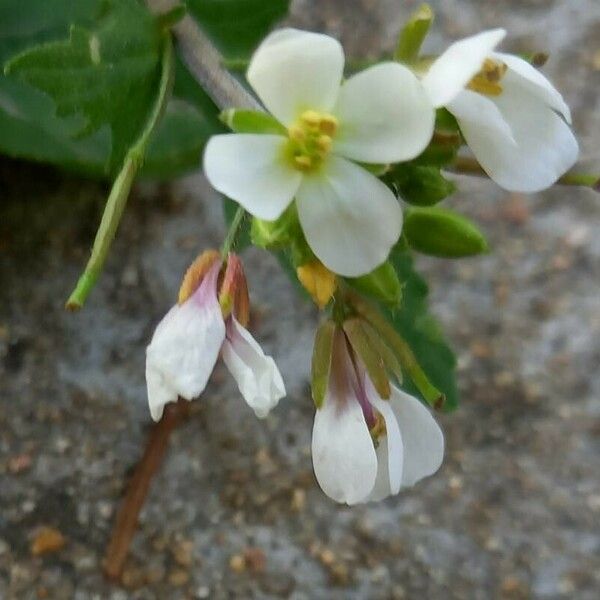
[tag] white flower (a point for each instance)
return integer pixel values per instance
(348, 465)
(185, 347)
(381, 115)
(513, 119)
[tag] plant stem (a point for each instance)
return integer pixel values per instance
(119, 192)
(232, 232)
(469, 166)
(137, 490)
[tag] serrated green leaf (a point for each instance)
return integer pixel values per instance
(237, 26)
(422, 332)
(419, 185)
(441, 232)
(108, 73)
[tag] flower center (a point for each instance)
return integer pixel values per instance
(487, 81)
(310, 139)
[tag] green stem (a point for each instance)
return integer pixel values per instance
(232, 232)
(469, 166)
(119, 192)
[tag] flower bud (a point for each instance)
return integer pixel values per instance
(233, 293)
(318, 281)
(195, 274)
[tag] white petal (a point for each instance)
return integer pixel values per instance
(350, 219)
(478, 113)
(422, 437)
(251, 170)
(185, 347)
(292, 71)
(524, 74)
(451, 72)
(545, 146)
(343, 454)
(384, 114)
(390, 453)
(257, 376)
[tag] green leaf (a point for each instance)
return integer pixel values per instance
(237, 26)
(382, 284)
(444, 233)
(419, 185)
(422, 332)
(108, 73)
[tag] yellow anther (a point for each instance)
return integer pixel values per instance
(297, 133)
(303, 162)
(328, 124)
(487, 81)
(378, 428)
(310, 117)
(324, 143)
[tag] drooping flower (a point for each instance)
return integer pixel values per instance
(381, 115)
(513, 119)
(366, 448)
(187, 342)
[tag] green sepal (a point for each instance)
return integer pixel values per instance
(383, 350)
(382, 284)
(413, 34)
(371, 359)
(431, 394)
(418, 184)
(444, 233)
(251, 121)
(278, 233)
(321, 361)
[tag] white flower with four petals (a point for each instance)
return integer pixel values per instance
(350, 218)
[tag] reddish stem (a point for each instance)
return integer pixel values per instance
(137, 490)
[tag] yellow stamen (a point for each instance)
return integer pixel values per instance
(488, 80)
(310, 140)
(303, 162)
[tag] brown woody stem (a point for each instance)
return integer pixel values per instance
(137, 490)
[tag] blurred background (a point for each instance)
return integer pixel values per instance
(235, 511)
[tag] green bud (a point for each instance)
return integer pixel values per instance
(441, 232)
(251, 121)
(419, 185)
(373, 362)
(413, 34)
(321, 361)
(382, 284)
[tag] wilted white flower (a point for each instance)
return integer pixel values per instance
(381, 115)
(365, 448)
(187, 342)
(513, 119)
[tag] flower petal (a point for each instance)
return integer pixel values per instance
(390, 453)
(343, 454)
(384, 115)
(250, 169)
(478, 113)
(422, 437)
(451, 72)
(257, 376)
(350, 219)
(522, 73)
(293, 70)
(185, 347)
(545, 146)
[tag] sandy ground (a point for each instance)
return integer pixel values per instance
(235, 511)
